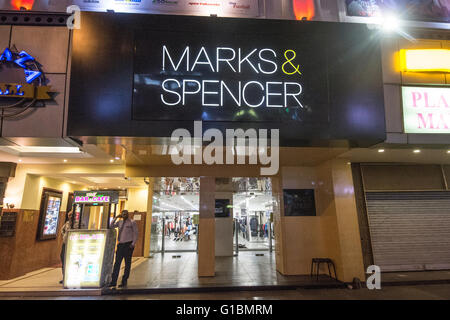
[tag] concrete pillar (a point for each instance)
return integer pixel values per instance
(148, 219)
(206, 240)
(351, 258)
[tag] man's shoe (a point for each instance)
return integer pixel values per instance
(61, 282)
(112, 285)
(123, 285)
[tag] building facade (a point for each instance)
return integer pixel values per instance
(363, 142)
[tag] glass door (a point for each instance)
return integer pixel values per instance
(175, 215)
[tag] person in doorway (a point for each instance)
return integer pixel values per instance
(128, 235)
(64, 233)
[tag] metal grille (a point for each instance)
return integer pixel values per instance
(410, 230)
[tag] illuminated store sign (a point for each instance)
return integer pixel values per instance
(22, 82)
(96, 197)
(213, 92)
(303, 79)
(91, 199)
(425, 60)
(426, 110)
(245, 78)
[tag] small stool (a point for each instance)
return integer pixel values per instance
(317, 261)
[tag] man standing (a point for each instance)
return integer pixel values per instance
(128, 235)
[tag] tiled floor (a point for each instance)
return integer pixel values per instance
(45, 280)
(247, 269)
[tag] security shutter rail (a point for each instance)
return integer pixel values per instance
(410, 230)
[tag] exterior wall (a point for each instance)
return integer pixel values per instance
(394, 78)
(50, 46)
(334, 232)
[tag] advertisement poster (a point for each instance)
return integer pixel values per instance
(422, 10)
(195, 7)
(426, 109)
(84, 259)
(51, 216)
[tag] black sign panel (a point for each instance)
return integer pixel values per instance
(222, 208)
(147, 75)
(299, 202)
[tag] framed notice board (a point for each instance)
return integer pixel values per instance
(49, 214)
(299, 202)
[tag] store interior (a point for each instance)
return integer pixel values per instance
(175, 214)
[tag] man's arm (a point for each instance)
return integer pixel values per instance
(115, 223)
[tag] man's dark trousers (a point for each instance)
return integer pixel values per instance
(124, 251)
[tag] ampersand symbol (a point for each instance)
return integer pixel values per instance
(289, 60)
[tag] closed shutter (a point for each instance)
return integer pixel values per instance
(410, 230)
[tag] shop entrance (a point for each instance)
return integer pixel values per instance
(252, 214)
(175, 215)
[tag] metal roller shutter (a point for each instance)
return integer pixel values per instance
(410, 230)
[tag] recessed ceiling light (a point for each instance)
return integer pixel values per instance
(448, 151)
(416, 151)
(112, 160)
(380, 150)
(20, 160)
(65, 160)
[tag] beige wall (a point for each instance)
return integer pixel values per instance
(137, 199)
(333, 233)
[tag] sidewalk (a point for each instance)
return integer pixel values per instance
(45, 282)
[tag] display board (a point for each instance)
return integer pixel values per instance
(49, 215)
(316, 82)
(89, 257)
(299, 202)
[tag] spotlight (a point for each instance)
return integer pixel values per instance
(380, 150)
(390, 23)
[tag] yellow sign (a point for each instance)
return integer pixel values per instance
(425, 60)
(29, 91)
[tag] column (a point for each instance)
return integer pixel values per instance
(148, 219)
(206, 240)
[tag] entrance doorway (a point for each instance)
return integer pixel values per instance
(175, 215)
(253, 214)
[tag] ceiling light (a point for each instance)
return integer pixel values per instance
(380, 150)
(65, 160)
(29, 149)
(112, 160)
(20, 160)
(117, 158)
(448, 151)
(416, 151)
